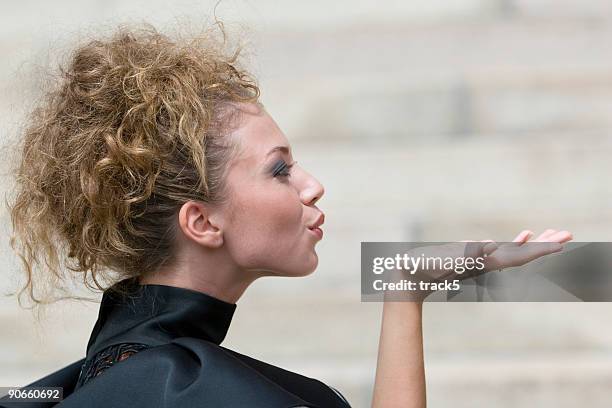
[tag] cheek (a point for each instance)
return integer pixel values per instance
(278, 213)
(265, 223)
(267, 231)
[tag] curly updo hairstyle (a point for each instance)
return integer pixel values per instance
(134, 125)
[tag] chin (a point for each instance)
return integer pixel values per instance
(312, 266)
(295, 270)
(304, 268)
(306, 273)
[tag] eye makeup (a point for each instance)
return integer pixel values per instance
(281, 168)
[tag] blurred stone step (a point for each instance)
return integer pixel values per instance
(389, 110)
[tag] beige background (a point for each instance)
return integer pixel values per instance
(425, 120)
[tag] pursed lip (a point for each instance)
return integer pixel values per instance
(319, 221)
(315, 227)
(318, 232)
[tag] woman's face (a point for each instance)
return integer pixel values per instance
(271, 202)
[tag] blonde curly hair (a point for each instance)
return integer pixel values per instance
(135, 125)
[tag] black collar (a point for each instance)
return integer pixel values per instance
(156, 314)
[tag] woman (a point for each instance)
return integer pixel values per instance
(152, 171)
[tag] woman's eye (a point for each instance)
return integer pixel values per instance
(282, 169)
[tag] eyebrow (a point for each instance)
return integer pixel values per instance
(284, 149)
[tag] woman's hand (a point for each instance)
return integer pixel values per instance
(523, 250)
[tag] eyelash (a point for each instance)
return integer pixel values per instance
(281, 167)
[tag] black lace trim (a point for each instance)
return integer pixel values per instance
(107, 358)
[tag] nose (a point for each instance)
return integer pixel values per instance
(312, 191)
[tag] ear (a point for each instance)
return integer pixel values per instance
(197, 222)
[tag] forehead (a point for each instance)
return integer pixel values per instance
(257, 134)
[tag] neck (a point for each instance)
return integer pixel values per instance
(204, 274)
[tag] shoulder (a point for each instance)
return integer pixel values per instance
(192, 372)
(244, 372)
(186, 372)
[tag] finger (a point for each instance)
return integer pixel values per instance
(523, 236)
(561, 237)
(489, 248)
(551, 248)
(555, 236)
(519, 255)
(543, 237)
(528, 237)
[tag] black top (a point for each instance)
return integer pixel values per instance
(159, 346)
